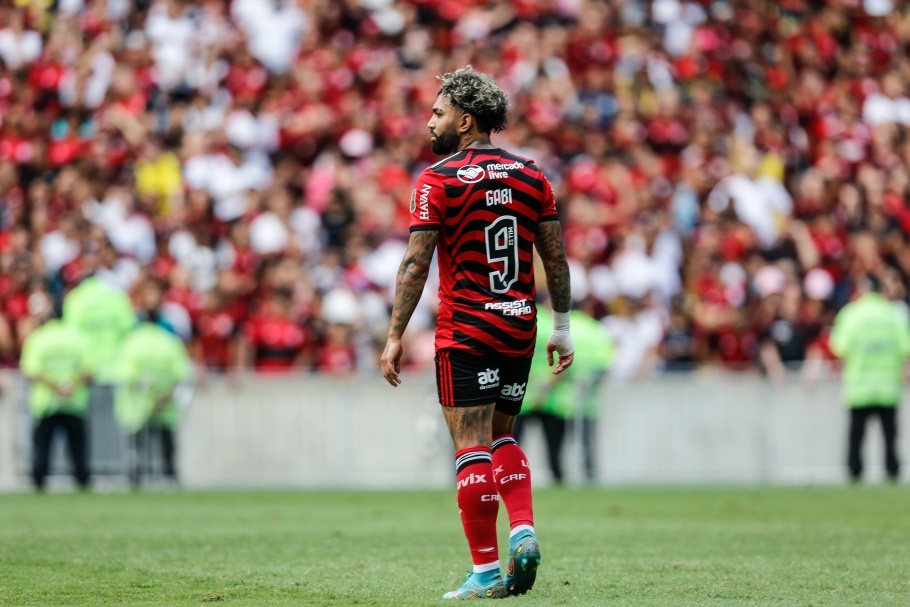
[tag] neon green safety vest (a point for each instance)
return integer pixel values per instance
(872, 336)
(562, 394)
(58, 352)
(152, 361)
(105, 315)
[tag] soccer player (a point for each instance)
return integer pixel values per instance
(484, 210)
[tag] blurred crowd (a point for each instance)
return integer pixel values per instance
(727, 171)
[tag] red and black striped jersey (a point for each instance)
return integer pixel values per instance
(486, 205)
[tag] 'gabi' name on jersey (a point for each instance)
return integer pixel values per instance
(500, 196)
(519, 307)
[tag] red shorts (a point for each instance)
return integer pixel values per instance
(466, 380)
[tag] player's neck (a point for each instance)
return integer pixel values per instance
(476, 141)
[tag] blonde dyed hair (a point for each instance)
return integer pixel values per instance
(477, 94)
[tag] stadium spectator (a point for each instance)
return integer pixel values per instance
(151, 306)
(730, 136)
(337, 351)
(486, 327)
(274, 339)
(786, 336)
(872, 336)
(677, 349)
(18, 45)
(214, 346)
(636, 329)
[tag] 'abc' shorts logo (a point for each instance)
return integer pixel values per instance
(470, 173)
(490, 377)
(514, 391)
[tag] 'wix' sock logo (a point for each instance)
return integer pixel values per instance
(472, 479)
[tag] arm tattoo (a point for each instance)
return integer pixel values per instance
(553, 254)
(412, 276)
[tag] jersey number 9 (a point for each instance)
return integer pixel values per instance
(502, 248)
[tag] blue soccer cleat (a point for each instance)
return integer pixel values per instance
(524, 558)
(486, 585)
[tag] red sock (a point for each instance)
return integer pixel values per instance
(478, 502)
(513, 480)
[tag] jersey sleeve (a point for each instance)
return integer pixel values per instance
(548, 209)
(427, 202)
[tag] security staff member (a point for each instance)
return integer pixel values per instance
(572, 398)
(104, 314)
(872, 336)
(56, 357)
(151, 365)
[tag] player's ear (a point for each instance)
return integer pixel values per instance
(466, 122)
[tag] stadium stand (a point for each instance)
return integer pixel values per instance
(727, 170)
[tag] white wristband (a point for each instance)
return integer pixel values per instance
(560, 338)
(560, 322)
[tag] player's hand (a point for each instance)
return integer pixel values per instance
(390, 361)
(561, 344)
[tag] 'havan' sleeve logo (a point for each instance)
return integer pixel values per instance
(425, 202)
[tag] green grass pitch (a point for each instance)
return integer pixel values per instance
(627, 547)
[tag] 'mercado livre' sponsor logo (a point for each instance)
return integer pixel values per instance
(500, 171)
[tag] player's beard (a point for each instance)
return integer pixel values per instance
(445, 142)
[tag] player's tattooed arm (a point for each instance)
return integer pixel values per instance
(549, 245)
(412, 276)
